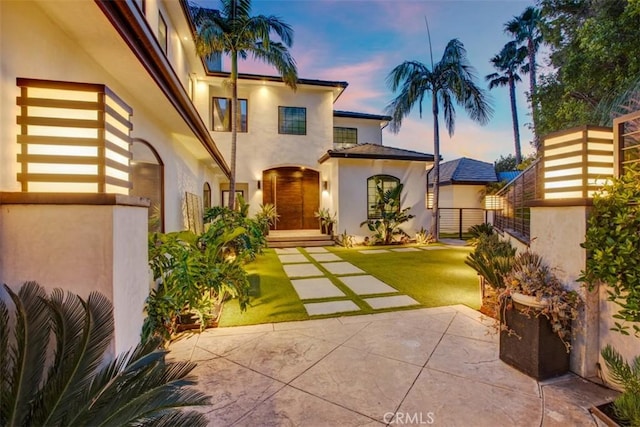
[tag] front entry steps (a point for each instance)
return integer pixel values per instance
(296, 238)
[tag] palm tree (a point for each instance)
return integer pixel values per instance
(450, 81)
(53, 370)
(508, 62)
(526, 29)
(233, 31)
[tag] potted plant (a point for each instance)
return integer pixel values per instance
(322, 215)
(267, 217)
(536, 312)
(330, 222)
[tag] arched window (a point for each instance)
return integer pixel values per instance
(148, 181)
(206, 195)
(377, 186)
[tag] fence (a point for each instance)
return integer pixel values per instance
(455, 222)
(515, 215)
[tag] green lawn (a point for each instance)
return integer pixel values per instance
(433, 278)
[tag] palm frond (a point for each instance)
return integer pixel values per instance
(26, 356)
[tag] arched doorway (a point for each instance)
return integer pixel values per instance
(295, 191)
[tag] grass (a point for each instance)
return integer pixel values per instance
(433, 278)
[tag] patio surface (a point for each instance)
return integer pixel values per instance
(436, 366)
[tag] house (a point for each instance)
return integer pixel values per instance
(111, 125)
(461, 194)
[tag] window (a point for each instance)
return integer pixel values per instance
(147, 172)
(162, 33)
(386, 183)
(206, 195)
(225, 197)
(292, 120)
(222, 115)
(345, 135)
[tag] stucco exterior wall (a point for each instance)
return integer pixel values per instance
(30, 39)
(368, 130)
(556, 234)
(352, 202)
(262, 147)
(81, 248)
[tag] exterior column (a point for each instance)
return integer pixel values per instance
(80, 243)
(557, 230)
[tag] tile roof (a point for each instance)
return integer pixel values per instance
(508, 175)
(465, 170)
(376, 151)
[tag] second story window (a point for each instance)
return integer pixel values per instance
(292, 120)
(343, 136)
(162, 33)
(222, 115)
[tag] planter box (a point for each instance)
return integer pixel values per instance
(536, 350)
(606, 414)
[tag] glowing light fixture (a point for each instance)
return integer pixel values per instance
(577, 162)
(74, 138)
(325, 185)
(259, 185)
(492, 202)
(429, 200)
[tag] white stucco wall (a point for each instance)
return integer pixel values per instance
(556, 234)
(81, 248)
(352, 194)
(368, 130)
(30, 39)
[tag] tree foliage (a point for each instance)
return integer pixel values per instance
(595, 56)
(53, 370)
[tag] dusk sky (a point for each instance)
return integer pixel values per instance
(362, 41)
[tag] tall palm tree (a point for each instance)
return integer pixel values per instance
(450, 81)
(508, 62)
(234, 32)
(527, 30)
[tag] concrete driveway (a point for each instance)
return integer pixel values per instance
(436, 366)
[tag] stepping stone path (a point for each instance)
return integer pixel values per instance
(310, 282)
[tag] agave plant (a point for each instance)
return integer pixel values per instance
(53, 369)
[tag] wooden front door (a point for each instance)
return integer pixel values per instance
(296, 194)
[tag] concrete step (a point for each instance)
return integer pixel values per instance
(300, 243)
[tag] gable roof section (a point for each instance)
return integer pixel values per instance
(354, 115)
(376, 151)
(508, 175)
(465, 171)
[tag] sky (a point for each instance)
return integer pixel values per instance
(361, 41)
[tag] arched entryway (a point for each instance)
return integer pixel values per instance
(295, 191)
(147, 176)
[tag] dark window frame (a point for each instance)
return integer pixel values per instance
(160, 164)
(206, 195)
(288, 123)
(345, 138)
(243, 125)
(163, 27)
(372, 193)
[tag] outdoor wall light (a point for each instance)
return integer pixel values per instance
(74, 138)
(325, 185)
(493, 202)
(577, 162)
(259, 185)
(429, 201)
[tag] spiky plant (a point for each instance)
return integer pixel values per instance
(627, 405)
(53, 370)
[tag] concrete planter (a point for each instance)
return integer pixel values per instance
(534, 349)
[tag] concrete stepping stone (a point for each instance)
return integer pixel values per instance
(284, 251)
(326, 257)
(339, 268)
(316, 288)
(389, 302)
(406, 250)
(367, 285)
(316, 250)
(330, 307)
(374, 251)
(288, 259)
(433, 248)
(301, 270)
